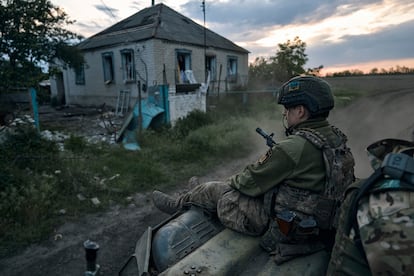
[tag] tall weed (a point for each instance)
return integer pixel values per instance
(38, 182)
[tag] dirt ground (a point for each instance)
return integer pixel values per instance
(385, 115)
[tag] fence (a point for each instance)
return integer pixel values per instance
(244, 98)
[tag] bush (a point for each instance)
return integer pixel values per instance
(75, 144)
(27, 184)
(221, 139)
(194, 120)
(37, 180)
(344, 96)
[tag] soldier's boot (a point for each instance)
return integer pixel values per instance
(165, 203)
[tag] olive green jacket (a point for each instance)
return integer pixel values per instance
(293, 161)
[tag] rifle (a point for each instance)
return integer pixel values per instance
(269, 137)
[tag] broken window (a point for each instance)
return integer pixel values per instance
(80, 75)
(211, 66)
(183, 62)
(128, 67)
(232, 69)
(108, 67)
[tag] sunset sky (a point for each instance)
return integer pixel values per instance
(340, 35)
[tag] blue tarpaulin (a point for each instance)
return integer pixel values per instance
(131, 124)
(149, 111)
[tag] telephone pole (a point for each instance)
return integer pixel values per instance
(203, 5)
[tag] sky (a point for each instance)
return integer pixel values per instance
(339, 34)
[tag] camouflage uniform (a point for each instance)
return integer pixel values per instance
(346, 258)
(386, 225)
(294, 161)
(303, 174)
(378, 238)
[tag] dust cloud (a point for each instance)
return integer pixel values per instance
(372, 118)
(385, 114)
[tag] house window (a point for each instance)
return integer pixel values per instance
(108, 67)
(183, 61)
(80, 75)
(128, 66)
(211, 66)
(232, 69)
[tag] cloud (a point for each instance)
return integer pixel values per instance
(111, 12)
(336, 32)
(137, 6)
(393, 42)
(248, 13)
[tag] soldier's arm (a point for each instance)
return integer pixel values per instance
(270, 170)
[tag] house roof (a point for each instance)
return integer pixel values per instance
(158, 22)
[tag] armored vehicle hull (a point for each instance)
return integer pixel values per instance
(193, 242)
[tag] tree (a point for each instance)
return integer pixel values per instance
(288, 62)
(32, 33)
(316, 71)
(290, 59)
(260, 72)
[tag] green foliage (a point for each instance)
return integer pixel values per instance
(261, 74)
(32, 33)
(290, 59)
(288, 62)
(37, 180)
(24, 148)
(194, 120)
(345, 96)
(27, 184)
(205, 140)
(70, 55)
(75, 144)
(398, 70)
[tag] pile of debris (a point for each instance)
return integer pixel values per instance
(95, 125)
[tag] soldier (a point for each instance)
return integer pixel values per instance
(292, 192)
(376, 233)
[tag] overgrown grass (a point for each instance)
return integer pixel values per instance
(38, 182)
(344, 96)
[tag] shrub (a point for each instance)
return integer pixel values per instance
(37, 180)
(27, 183)
(75, 144)
(194, 120)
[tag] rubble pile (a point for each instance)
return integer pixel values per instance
(94, 125)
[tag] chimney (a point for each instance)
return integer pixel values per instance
(153, 2)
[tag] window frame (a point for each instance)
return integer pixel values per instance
(108, 73)
(128, 66)
(187, 54)
(211, 63)
(80, 75)
(232, 64)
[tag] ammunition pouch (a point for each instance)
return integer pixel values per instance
(289, 230)
(301, 239)
(304, 203)
(298, 218)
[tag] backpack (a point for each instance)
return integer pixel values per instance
(376, 232)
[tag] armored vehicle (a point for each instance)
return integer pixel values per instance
(193, 242)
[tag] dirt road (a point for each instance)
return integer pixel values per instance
(379, 116)
(369, 119)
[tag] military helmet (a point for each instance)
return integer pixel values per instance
(312, 92)
(378, 150)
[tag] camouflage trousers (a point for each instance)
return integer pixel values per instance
(235, 210)
(386, 223)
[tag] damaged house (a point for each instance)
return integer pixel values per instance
(156, 47)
